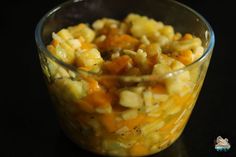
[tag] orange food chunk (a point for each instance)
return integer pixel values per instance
(187, 36)
(85, 106)
(109, 82)
(99, 99)
(118, 65)
(139, 150)
(159, 89)
(186, 57)
(108, 121)
(113, 42)
(92, 85)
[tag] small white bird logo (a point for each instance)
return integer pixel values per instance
(222, 144)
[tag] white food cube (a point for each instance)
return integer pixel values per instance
(82, 30)
(161, 69)
(130, 99)
(65, 34)
(142, 25)
(69, 90)
(88, 58)
(148, 98)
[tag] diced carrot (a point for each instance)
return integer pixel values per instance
(93, 85)
(134, 71)
(118, 65)
(152, 60)
(54, 43)
(85, 106)
(113, 42)
(186, 57)
(99, 99)
(109, 82)
(108, 121)
(159, 89)
(139, 150)
(52, 49)
(85, 68)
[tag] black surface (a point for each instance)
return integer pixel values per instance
(30, 128)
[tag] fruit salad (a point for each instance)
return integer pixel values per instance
(133, 89)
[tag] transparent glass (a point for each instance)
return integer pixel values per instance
(107, 130)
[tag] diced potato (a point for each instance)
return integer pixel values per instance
(151, 127)
(161, 69)
(62, 52)
(177, 36)
(182, 45)
(175, 65)
(138, 89)
(74, 43)
(65, 34)
(57, 71)
(162, 40)
(129, 114)
(164, 59)
(82, 30)
(145, 40)
(148, 98)
(158, 98)
(114, 147)
(140, 57)
(176, 85)
(99, 24)
(142, 25)
(198, 51)
(69, 90)
(88, 58)
(168, 31)
(61, 49)
(104, 110)
(122, 130)
(130, 99)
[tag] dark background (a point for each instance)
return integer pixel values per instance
(29, 127)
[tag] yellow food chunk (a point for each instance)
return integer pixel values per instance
(168, 31)
(65, 34)
(99, 24)
(129, 114)
(88, 58)
(62, 52)
(161, 69)
(142, 25)
(130, 99)
(82, 30)
(69, 90)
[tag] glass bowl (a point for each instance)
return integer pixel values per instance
(96, 122)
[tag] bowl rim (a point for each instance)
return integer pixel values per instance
(41, 46)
